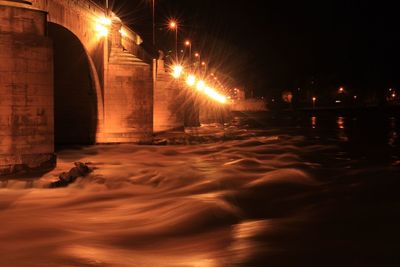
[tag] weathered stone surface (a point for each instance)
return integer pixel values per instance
(26, 92)
(128, 101)
(168, 101)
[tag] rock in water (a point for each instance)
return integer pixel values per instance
(65, 178)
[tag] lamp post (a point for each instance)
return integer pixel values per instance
(107, 13)
(313, 101)
(173, 25)
(154, 23)
(204, 65)
(189, 44)
(198, 58)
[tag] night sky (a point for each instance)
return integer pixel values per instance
(269, 46)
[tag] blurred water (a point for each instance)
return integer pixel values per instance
(265, 190)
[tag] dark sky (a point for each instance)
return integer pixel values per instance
(274, 45)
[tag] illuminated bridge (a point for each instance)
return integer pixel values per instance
(72, 73)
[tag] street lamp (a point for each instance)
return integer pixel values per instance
(173, 25)
(188, 43)
(198, 57)
(154, 23)
(313, 101)
(204, 64)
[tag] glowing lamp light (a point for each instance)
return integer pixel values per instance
(102, 26)
(393, 95)
(101, 30)
(177, 71)
(187, 43)
(210, 92)
(191, 80)
(104, 21)
(173, 24)
(200, 85)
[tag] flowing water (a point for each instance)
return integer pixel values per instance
(261, 191)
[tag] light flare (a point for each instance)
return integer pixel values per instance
(104, 21)
(102, 26)
(177, 71)
(201, 85)
(191, 80)
(101, 30)
(212, 93)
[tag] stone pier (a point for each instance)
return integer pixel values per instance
(128, 100)
(26, 89)
(168, 101)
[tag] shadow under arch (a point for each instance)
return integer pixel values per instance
(76, 99)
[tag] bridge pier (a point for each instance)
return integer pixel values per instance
(212, 112)
(26, 90)
(128, 95)
(168, 102)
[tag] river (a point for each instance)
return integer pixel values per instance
(264, 190)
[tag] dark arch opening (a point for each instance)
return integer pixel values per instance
(75, 100)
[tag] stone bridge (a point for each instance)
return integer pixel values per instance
(62, 82)
(71, 73)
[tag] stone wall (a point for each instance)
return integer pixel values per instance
(128, 103)
(168, 100)
(26, 91)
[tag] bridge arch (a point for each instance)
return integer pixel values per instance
(77, 92)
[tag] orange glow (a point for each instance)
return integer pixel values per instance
(101, 30)
(173, 24)
(341, 90)
(313, 122)
(314, 99)
(177, 71)
(104, 21)
(394, 95)
(200, 85)
(340, 122)
(197, 55)
(187, 43)
(191, 80)
(214, 95)
(102, 26)
(203, 63)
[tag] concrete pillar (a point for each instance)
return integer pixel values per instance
(26, 90)
(128, 96)
(168, 100)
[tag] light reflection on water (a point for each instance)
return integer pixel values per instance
(238, 196)
(340, 122)
(313, 122)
